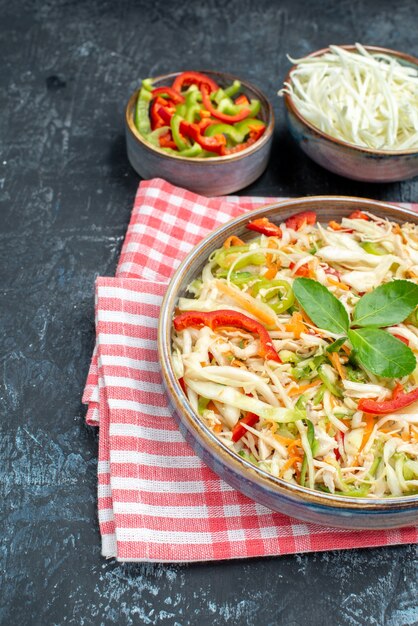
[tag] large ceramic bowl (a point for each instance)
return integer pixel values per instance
(274, 493)
(340, 157)
(214, 176)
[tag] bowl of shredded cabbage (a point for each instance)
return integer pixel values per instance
(288, 344)
(354, 110)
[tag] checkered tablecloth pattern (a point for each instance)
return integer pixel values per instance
(156, 500)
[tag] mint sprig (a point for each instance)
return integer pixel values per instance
(389, 304)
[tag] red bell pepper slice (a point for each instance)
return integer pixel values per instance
(211, 144)
(217, 319)
(156, 120)
(166, 141)
(164, 112)
(303, 270)
(183, 385)
(300, 220)
(174, 95)
(403, 339)
(194, 78)
(242, 100)
(358, 215)
(239, 430)
(399, 400)
(230, 119)
(255, 134)
(265, 227)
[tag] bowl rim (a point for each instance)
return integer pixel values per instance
(129, 120)
(292, 107)
(205, 437)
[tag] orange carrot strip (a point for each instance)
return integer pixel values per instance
(302, 388)
(288, 464)
(271, 272)
(334, 358)
(233, 241)
(369, 419)
(296, 325)
(296, 442)
(337, 283)
(335, 225)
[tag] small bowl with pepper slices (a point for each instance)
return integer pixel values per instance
(208, 132)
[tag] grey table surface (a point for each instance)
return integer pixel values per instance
(66, 190)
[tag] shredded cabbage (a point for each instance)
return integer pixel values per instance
(366, 99)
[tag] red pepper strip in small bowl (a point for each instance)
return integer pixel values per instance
(194, 78)
(239, 430)
(217, 319)
(166, 141)
(265, 227)
(211, 144)
(255, 134)
(174, 95)
(399, 400)
(156, 119)
(230, 119)
(165, 113)
(298, 221)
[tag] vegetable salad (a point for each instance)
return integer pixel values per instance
(298, 350)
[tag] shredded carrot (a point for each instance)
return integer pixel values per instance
(296, 325)
(396, 229)
(285, 441)
(212, 407)
(271, 272)
(288, 464)
(337, 283)
(217, 428)
(237, 363)
(296, 442)
(346, 349)
(248, 303)
(405, 435)
(335, 360)
(335, 225)
(233, 241)
(302, 388)
(369, 419)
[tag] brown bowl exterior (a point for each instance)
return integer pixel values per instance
(274, 493)
(214, 176)
(340, 157)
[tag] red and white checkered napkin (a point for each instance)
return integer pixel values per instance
(157, 500)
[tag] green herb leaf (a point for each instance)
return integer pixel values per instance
(388, 304)
(336, 345)
(324, 309)
(381, 353)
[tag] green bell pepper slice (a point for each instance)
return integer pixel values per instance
(225, 129)
(233, 89)
(274, 288)
(180, 142)
(371, 247)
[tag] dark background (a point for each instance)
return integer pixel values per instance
(66, 190)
